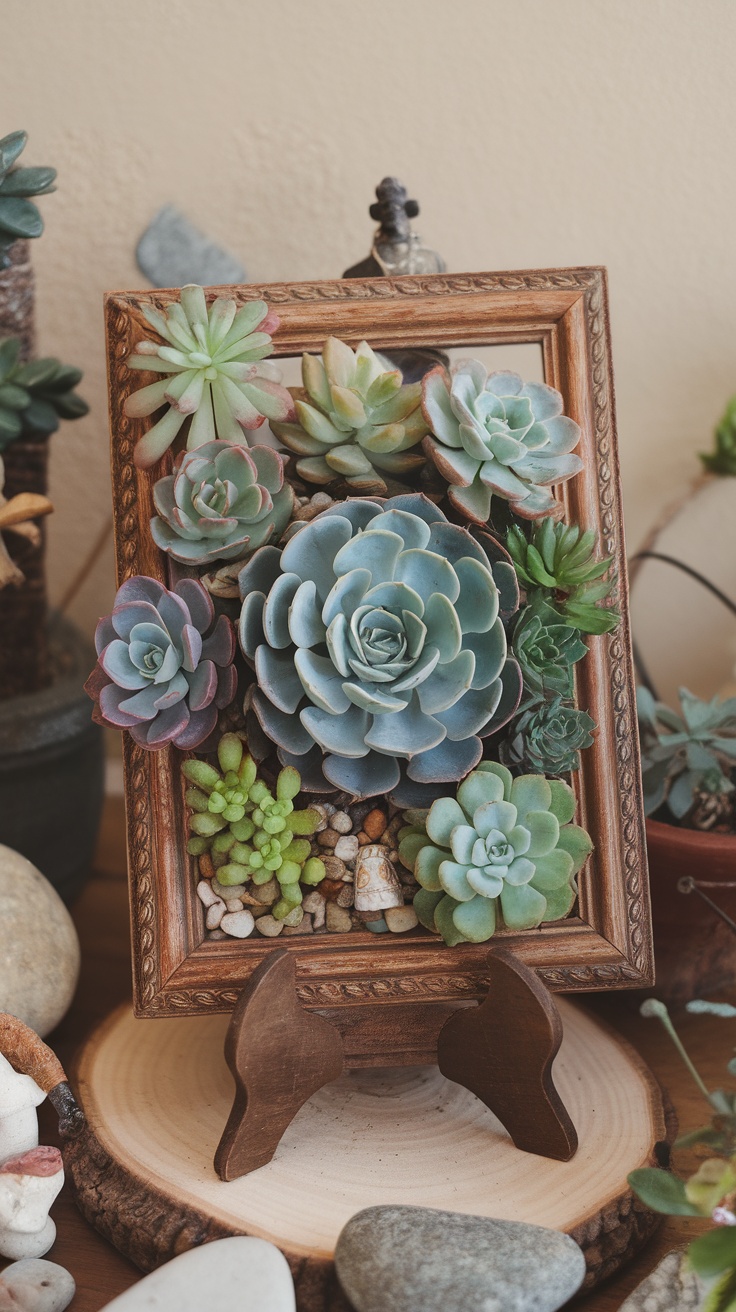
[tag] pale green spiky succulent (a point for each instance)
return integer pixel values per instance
(356, 419)
(502, 845)
(253, 834)
(559, 563)
(495, 435)
(687, 754)
(19, 217)
(210, 356)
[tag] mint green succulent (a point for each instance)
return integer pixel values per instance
(723, 459)
(210, 356)
(502, 846)
(558, 563)
(252, 834)
(546, 649)
(495, 435)
(19, 217)
(684, 755)
(356, 419)
(36, 395)
(549, 736)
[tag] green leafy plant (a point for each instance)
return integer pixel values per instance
(711, 1191)
(546, 649)
(686, 755)
(356, 419)
(500, 844)
(549, 736)
(559, 563)
(19, 217)
(253, 833)
(723, 459)
(35, 396)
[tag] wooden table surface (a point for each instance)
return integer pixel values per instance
(101, 916)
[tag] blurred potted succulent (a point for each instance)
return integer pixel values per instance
(48, 745)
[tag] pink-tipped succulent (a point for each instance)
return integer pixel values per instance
(210, 357)
(163, 670)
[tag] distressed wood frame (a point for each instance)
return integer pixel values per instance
(607, 945)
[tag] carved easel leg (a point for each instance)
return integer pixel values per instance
(503, 1051)
(280, 1055)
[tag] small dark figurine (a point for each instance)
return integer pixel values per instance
(396, 250)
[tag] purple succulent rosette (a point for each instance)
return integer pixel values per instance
(495, 435)
(377, 637)
(221, 502)
(163, 670)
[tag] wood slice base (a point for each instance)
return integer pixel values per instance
(157, 1095)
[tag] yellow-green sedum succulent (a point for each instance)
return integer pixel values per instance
(501, 845)
(356, 419)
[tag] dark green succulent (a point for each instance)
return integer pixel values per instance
(559, 563)
(723, 459)
(35, 396)
(19, 217)
(546, 649)
(685, 755)
(548, 737)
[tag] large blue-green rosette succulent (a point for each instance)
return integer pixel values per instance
(377, 637)
(495, 435)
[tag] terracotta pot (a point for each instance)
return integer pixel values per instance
(694, 951)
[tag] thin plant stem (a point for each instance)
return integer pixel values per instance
(652, 1007)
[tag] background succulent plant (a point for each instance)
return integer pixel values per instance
(494, 435)
(687, 754)
(375, 635)
(19, 217)
(546, 649)
(549, 736)
(221, 502)
(355, 419)
(35, 396)
(559, 563)
(163, 670)
(722, 460)
(253, 833)
(210, 359)
(501, 844)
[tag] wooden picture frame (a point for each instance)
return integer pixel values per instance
(607, 944)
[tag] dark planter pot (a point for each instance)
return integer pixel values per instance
(694, 951)
(52, 767)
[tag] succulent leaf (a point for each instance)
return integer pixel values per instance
(688, 755)
(557, 564)
(549, 736)
(19, 217)
(36, 395)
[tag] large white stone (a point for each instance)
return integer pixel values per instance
(35, 1286)
(39, 962)
(231, 1275)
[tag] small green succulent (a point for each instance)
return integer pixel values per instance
(252, 834)
(356, 419)
(210, 356)
(546, 649)
(35, 396)
(684, 755)
(19, 217)
(502, 844)
(549, 736)
(559, 562)
(723, 459)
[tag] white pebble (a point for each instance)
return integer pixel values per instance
(313, 901)
(222, 890)
(238, 924)
(33, 1285)
(341, 822)
(215, 912)
(269, 926)
(205, 893)
(347, 847)
(400, 919)
(234, 904)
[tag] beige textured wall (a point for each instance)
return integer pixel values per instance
(534, 132)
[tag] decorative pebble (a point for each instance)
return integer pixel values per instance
(389, 1259)
(319, 807)
(34, 1285)
(205, 894)
(269, 926)
(363, 838)
(239, 924)
(304, 926)
(29, 1183)
(347, 847)
(334, 867)
(330, 888)
(400, 919)
(341, 822)
(374, 824)
(234, 904)
(338, 919)
(376, 882)
(206, 867)
(267, 893)
(319, 915)
(313, 902)
(377, 926)
(215, 913)
(294, 917)
(221, 890)
(346, 896)
(39, 962)
(328, 838)
(672, 1286)
(241, 1274)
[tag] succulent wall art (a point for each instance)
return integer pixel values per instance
(364, 659)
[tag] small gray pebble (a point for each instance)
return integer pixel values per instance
(341, 822)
